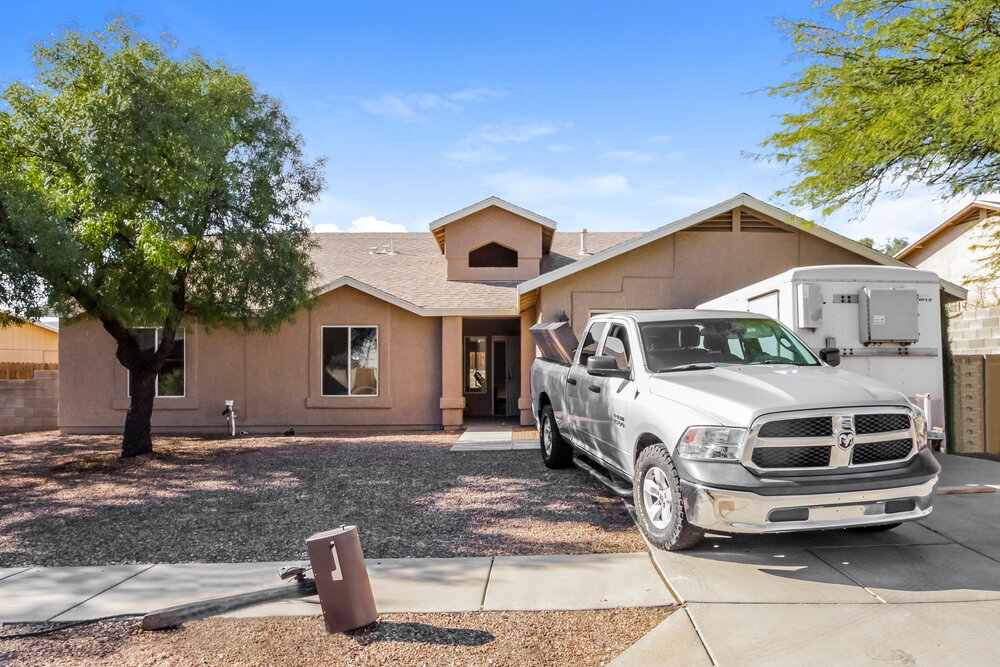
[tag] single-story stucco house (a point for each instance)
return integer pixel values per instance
(421, 330)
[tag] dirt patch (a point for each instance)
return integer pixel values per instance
(590, 637)
(69, 500)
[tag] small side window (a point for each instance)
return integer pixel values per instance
(616, 346)
(590, 341)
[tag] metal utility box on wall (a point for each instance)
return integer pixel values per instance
(888, 315)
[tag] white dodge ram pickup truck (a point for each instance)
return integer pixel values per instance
(725, 421)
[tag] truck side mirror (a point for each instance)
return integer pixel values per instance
(831, 355)
(607, 367)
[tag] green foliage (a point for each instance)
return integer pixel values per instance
(888, 247)
(145, 189)
(895, 92)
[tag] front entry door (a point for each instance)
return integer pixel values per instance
(506, 375)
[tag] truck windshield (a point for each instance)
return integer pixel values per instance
(694, 344)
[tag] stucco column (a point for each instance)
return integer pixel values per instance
(528, 318)
(452, 399)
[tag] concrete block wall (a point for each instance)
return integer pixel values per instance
(968, 408)
(975, 331)
(30, 405)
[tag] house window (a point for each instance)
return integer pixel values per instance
(493, 255)
(170, 380)
(475, 364)
(350, 361)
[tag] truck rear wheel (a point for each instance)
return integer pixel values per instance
(556, 452)
(659, 507)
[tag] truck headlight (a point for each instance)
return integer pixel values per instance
(711, 443)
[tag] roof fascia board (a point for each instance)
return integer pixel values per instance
(631, 244)
(691, 220)
(499, 203)
(347, 281)
(979, 203)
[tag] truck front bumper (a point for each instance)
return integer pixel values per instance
(731, 511)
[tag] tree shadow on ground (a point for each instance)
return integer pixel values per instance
(259, 499)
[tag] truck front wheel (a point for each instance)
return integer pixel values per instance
(660, 509)
(556, 452)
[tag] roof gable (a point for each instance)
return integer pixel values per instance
(967, 214)
(437, 227)
(711, 216)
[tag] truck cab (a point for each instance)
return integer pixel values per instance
(726, 421)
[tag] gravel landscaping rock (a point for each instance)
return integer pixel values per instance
(473, 638)
(69, 500)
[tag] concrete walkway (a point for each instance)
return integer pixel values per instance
(596, 581)
(491, 438)
(926, 592)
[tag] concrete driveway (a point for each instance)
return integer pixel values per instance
(926, 592)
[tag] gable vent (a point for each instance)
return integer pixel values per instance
(720, 223)
(751, 223)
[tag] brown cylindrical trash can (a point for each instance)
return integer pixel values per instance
(345, 594)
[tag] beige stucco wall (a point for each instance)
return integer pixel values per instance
(952, 256)
(274, 379)
(685, 269)
(493, 224)
(29, 343)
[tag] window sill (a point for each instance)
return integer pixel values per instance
(348, 402)
(160, 404)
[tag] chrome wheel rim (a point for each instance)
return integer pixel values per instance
(547, 436)
(657, 498)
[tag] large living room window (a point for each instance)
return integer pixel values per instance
(350, 361)
(170, 381)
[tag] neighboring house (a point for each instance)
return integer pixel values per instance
(426, 329)
(952, 251)
(30, 342)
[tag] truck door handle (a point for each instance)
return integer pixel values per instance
(570, 381)
(595, 388)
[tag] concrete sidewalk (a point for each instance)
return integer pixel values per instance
(926, 592)
(491, 438)
(597, 581)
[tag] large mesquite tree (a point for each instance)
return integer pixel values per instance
(146, 189)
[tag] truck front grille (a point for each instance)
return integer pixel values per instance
(791, 457)
(809, 427)
(829, 441)
(881, 423)
(877, 452)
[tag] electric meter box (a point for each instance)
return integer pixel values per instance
(888, 315)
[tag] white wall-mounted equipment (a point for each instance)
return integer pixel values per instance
(885, 320)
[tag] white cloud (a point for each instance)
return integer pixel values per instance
(660, 139)
(507, 133)
(416, 106)
(370, 223)
(480, 145)
(521, 186)
(559, 148)
(325, 228)
(919, 210)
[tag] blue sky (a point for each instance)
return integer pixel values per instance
(608, 116)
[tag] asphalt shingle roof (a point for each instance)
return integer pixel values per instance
(417, 273)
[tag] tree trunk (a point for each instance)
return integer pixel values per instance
(137, 438)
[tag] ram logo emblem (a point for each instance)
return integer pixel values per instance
(845, 439)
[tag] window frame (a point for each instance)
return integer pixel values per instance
(156, 344)
(514, 251)
(605, 326)
(629, 354)
(378, 357)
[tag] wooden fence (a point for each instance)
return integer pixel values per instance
(16, 370)
(976, 403)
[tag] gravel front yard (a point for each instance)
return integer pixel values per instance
(69, 500)
(591, 637)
